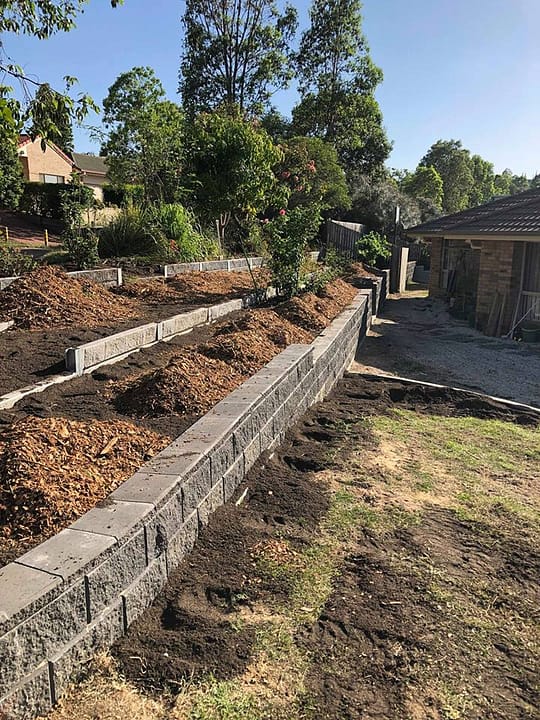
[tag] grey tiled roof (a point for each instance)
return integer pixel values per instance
(512, 215)
(90, 163)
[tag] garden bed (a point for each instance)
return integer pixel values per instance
(359, 577)
(163, 389)
(53, 313)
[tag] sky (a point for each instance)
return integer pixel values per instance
(453, 69)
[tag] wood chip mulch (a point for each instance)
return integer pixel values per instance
(190, 384)
(218, 282)
(53, 470)
(314, 312)
(48, 297)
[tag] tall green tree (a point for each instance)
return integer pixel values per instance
(337, 81)
(453, 163)
(483, 188)
(144, 135)
(425, 182)
(230, 169)
(236, 54)
(11, 178)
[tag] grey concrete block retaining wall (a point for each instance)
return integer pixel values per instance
(234, 264)
(109, 277)
(79, 591)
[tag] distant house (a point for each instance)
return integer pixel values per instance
(53, 165)
(93, 169)
(49, 165)
(486, 261)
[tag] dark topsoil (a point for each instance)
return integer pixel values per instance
(379, 625)
(28, 356)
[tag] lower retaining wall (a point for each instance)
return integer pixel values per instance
(76, 593)
(109, 277)
(233, 264)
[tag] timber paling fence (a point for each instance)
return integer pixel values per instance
(343, 236)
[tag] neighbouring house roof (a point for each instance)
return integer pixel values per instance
(90, 164)
(511, 217)
(25, 139)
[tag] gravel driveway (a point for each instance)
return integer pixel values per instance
(416, 337)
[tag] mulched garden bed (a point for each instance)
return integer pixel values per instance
(163, 389)
(54, 312)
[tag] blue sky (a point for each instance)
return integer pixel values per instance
(461, 69)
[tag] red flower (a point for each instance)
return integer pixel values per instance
(282, 212)
(285, 174)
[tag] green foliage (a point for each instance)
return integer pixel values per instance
(236, 54)
(229, 168)
(289, 235)
(337, 82)
(80, 244)
(123, 195)
(13, 261)
(164, 233)
(452, 161)
(42, 199)
(186, 242)
(373, 248)
(483, 188)
(11, 177)
(311, 169)
(50, 120)
(425, 182)
(144, 136)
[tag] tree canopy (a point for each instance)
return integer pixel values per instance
(144, 141)
(337, 80)
(236, 54)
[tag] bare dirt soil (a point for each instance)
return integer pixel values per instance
(347, 586)
(63, 312)
(416, 337)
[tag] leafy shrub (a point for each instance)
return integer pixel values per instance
(123, 195)
(14, 262)
(163, 232)
(80, 244)
(373, 248)
(186, 242)
(289, 236)
(130, 233)
(42, 199)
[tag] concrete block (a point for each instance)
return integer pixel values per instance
(106, 581)
(183, 542)
(165, 522)
(99, 635)
(233, 477)
(29, 644)
(115, 518)
(68, 553)
(237, 264)
(217, 311)
(21, 588)
(222, 458)
(147, 486)
(6, 281)
(182, 322)
(252, 453)
(179, 268)
(210, 265)
(247, 430)
(271, 293)
(267, 434)
(195, 487)
(6, 325)
(142, 592)
(109, 277)
(29, 698)
(211, 502)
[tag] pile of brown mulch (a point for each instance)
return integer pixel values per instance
(314, 312)
(359, 270)
(54, 470)
(218, 282)
(190, 384)
(48, 297)
(253, 340)
(154, 291)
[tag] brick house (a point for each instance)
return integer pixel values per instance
(53, 165)
(49, 165)
(486, 261)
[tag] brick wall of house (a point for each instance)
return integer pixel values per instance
(500, 271)
(435, 289)
(37, 162)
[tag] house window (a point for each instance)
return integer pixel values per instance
(54, 179)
